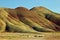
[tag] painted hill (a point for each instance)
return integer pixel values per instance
(47, 14)
(20, 19)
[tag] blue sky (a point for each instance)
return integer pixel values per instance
(53, 5)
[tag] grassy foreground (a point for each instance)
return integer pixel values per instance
(30, 36)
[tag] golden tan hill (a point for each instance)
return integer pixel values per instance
(12, 22)
(44, 11)
(36, 20)
(48, 14)
(27, 14)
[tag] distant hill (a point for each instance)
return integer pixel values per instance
(35, 20)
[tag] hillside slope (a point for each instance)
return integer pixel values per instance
(20, 19)
(47, 14)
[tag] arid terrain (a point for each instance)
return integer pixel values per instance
(37, 23)
(30, 36)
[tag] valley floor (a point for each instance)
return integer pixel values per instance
(30, 36)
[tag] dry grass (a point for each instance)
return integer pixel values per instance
(30, 36)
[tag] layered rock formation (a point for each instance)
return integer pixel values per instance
(35, 20)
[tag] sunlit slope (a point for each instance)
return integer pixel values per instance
(20, 19)
(25, 13)
(2, 21)
(46, 14)
(13, 24)
(43, 11)
(2, 26)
